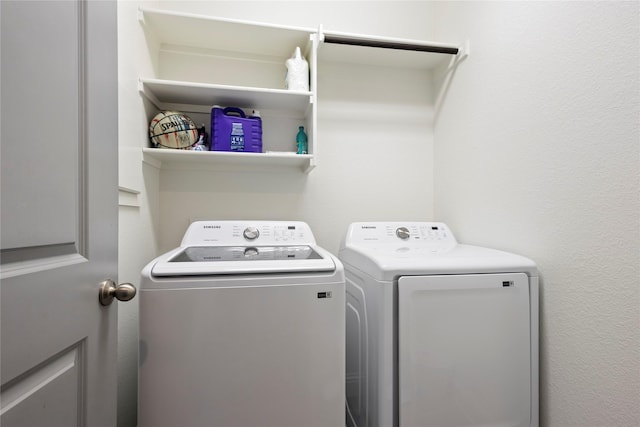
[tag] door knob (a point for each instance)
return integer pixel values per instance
(109, 290)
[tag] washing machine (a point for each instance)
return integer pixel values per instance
(243, 325)
(438, 333)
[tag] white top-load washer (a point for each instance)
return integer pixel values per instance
(438, 333)
(243, 325)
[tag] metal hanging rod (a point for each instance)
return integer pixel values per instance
(354, 41)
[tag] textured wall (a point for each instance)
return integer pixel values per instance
(537, 152)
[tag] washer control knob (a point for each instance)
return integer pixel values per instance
(403, 233)
(251, 233)
(251, 252)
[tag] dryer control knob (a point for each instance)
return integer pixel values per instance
(403, 233)
(251, 233)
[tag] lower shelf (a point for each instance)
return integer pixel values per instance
(222, 160)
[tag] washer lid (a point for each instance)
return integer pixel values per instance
(215, 260)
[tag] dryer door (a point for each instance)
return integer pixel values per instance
(464, 350)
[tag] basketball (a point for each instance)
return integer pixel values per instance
(172, 129)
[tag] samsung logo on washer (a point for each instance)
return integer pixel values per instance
(211, 226)
(368, 227)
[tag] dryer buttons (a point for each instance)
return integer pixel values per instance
(251, 233)
(403, 233)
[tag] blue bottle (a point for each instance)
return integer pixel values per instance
(301, 141)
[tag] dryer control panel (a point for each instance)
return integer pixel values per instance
(242, 233)
(400, 233)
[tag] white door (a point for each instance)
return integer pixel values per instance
(58, 212)
(464, 350)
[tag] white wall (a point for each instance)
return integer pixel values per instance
(374, 162)
(537, 152)
(139, 202)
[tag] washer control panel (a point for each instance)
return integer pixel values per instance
(400, 233)
(243, 233)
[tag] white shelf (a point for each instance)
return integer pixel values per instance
(400, 53)
(200, 97)
(221, 160)
(230, 63)
(205, 32)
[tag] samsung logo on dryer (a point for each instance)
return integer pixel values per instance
(368, 227)
(211, 226)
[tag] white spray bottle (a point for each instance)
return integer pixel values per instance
(297, 77)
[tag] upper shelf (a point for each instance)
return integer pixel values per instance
(223, 34)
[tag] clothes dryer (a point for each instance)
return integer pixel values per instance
(243, 325)
(438, 333)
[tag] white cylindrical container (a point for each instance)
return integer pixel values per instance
(297, 77)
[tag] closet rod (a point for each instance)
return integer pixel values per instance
(329, 38)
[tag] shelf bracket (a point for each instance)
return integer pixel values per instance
(463, 53)
(141, 15)
(310, 166)
(464, 50)
(149, 96)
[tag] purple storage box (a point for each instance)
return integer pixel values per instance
(232, 130)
